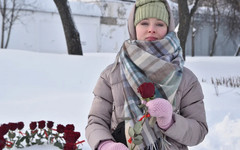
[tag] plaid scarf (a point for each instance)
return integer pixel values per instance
(159, 62)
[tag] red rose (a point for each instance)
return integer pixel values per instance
(41, 124)
(60, 128)
(3, 129)
(71, 136)
(70, 127)
(2, 142)
(70, 146)
(20, 125)
(12, 126)
(147, 90)
(33, 125)
(50, 124)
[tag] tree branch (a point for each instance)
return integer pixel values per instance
(195, 6)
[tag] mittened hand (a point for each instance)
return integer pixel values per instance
(162, 110)
(110, 145)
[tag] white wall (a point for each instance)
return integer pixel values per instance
(43, 32)
(41, 29)
(113, 35)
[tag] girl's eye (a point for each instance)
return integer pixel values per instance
(144, 23)
(160, 24)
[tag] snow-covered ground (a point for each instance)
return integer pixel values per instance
(58, 87)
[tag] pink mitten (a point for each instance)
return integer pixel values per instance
(110, 145)
(161, 109)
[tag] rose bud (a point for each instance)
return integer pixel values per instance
(60, 128)
(70, 127)
(33, 125)
(71, 136)
(3, 129)
(41, 124)
(12, 126)
(50, 124)
(20, 125)
(147, 90)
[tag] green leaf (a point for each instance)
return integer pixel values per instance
(27, 140)
(39, 142)
(131, 132)
(11, 135)
(59, 145)
(22, 139)
(137, 142)
(126, 118)
(138, 128)
(146, 109)
(40, 135)
(19, 145)
(152, 121)
(27, 134)
(139, 137)
(141, 106)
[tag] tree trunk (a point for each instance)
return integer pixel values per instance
(193, 46)
(71, 33)
(11, 22)
(216, 22)
(213, 44)
(184, 21)
(3, 23)
(238, 51)
(193, 38)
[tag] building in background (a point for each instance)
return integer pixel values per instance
(102, 25)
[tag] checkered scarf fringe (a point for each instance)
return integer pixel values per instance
(160, 62)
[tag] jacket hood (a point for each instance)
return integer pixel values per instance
(131, 27)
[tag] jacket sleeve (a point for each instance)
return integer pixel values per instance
(99, 118)
(190, 127)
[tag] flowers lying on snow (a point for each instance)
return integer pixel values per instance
(64, 137)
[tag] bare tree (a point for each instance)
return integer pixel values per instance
(232, 17)
(224, 13)
(71, 33)
(232, 14)
(193, 36)
(237, 51)
(10, 12)
(216, 22)
(184, 21)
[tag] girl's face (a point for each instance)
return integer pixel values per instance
(151, 29)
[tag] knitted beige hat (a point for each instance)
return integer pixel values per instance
(151, 9)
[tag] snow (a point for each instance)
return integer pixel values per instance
(58, 87)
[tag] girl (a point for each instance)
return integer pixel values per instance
(152, 54)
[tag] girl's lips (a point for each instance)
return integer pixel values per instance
(151, 39)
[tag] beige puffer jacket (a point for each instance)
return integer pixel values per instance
(107, 111)
(189, 128)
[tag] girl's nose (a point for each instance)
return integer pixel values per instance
(151, 29)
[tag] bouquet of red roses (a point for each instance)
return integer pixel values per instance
(63, 137)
